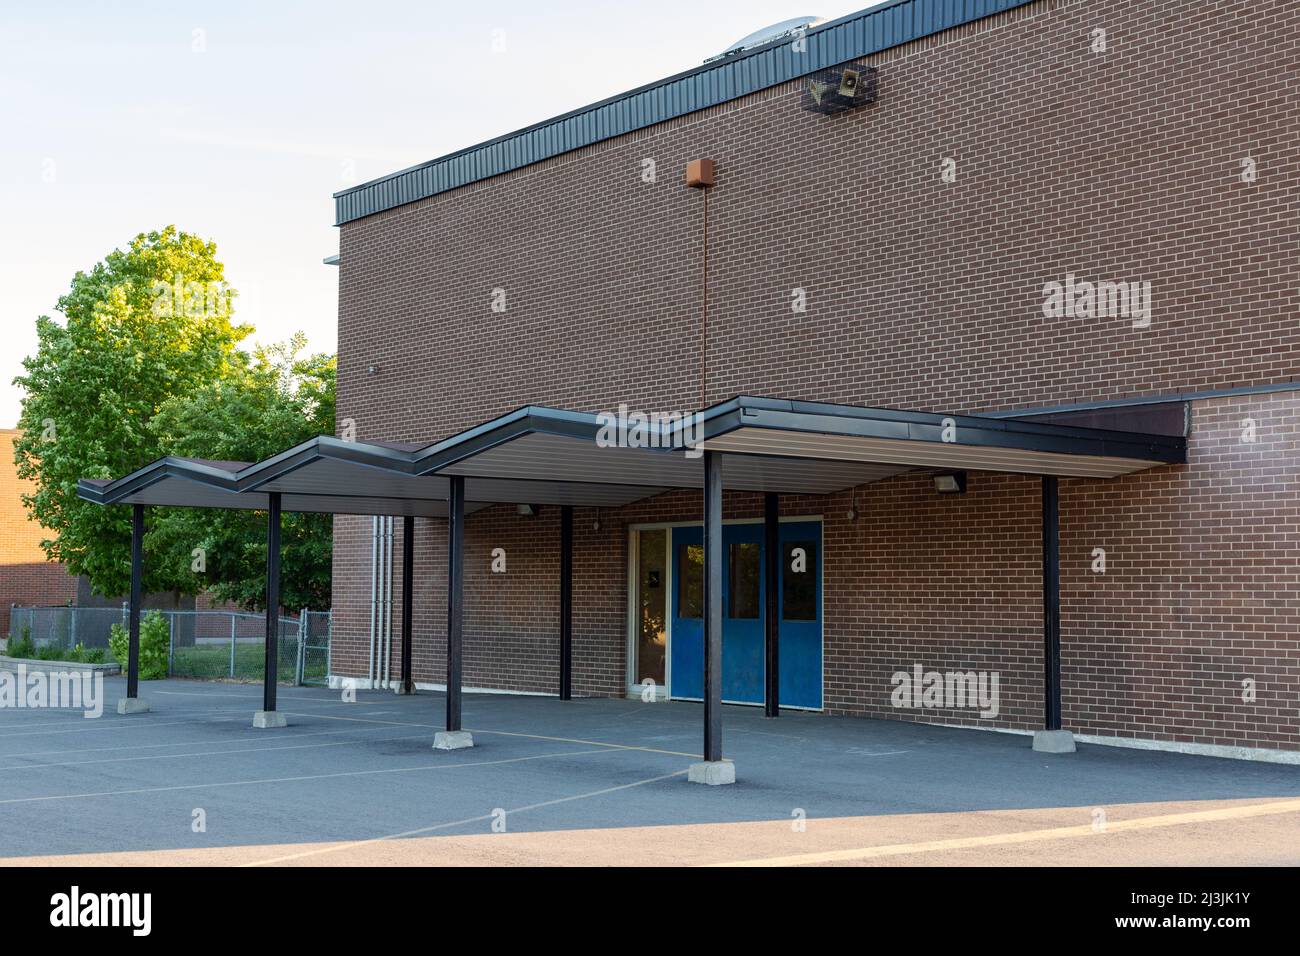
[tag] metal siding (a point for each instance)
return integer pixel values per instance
(861, 35)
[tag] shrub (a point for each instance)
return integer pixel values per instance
(153, 645)
(21, 646)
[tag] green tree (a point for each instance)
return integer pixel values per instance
(147, 324)
(274, 401)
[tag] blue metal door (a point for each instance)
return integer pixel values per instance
(801, 614)
(743, 604)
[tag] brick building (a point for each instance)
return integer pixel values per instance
(26, 576)
(1074, 213)
(1001, 154)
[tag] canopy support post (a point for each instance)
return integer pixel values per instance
(1052, 739)
(713, 769)
(772, 610)
(268, 716)
(453, 738)
(406, 685)
(131, 703)
(566, 602)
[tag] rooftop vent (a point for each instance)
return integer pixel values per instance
(777, 31)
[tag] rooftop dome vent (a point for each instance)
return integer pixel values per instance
(777, 31)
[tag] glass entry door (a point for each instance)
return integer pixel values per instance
(651, 627)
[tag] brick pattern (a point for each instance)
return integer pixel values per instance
(26, 577)
(1124, 165)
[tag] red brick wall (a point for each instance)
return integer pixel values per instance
(1123, 166)
(26, 577)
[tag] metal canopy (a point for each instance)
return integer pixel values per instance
(538, 455)
(195, 483)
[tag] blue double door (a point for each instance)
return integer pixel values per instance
(744, 604)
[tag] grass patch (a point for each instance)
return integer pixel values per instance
(212, 662)
(22, 647)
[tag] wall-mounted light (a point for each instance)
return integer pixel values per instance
(595, 525)
(853, 506)
(373, 370)
(527, 511)
(950, 483)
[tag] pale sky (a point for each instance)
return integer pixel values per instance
(237, 120)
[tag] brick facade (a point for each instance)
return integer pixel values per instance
(26, 577)
(924, 294)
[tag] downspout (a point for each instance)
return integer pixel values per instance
(388, 602)
(374, 594)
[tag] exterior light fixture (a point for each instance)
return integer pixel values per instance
(950, 483)
(853, 506)
(595, 525)
(372, 370)
(701, 174)
(527, 511)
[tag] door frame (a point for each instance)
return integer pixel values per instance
(664, 691)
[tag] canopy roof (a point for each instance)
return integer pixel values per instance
(538, 455)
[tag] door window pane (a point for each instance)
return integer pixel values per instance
(652, 628)
(690, 581)
(799, 581)
(743, 569)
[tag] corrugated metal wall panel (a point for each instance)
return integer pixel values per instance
(849, 38)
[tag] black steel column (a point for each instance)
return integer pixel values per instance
(408, 577)
(712, 606)
(455, 594)
(272, 600)
(566, 602)
(137, 593)
(772, 611)
(1051, 606)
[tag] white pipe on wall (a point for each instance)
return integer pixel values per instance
(374, 593)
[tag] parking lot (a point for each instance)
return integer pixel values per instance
(599, 781)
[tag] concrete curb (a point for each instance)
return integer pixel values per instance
(55, 667)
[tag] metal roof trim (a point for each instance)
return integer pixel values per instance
(850, 37)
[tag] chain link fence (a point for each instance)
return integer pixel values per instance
(207, 645)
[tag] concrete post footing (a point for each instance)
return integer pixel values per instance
(132, 705)
(401, 691)
(712, 772)
(264, 719)
(452, 740)
(1054, 741)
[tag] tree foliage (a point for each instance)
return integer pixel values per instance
(276, 400)
(146, 364)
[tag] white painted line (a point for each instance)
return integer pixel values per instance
(447, 765)
(335, 848)
(201, 753)
(508, 733)
(132, 723)
(1027, 836)
(258, 735)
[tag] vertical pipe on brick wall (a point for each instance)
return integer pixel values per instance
(386, 659)
(408, 600)
(772, 608)
(272, 599)
(455, 595)
(374, 596)
(566, 602)
(1051, 605)
(137, 595)
(712, 606)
